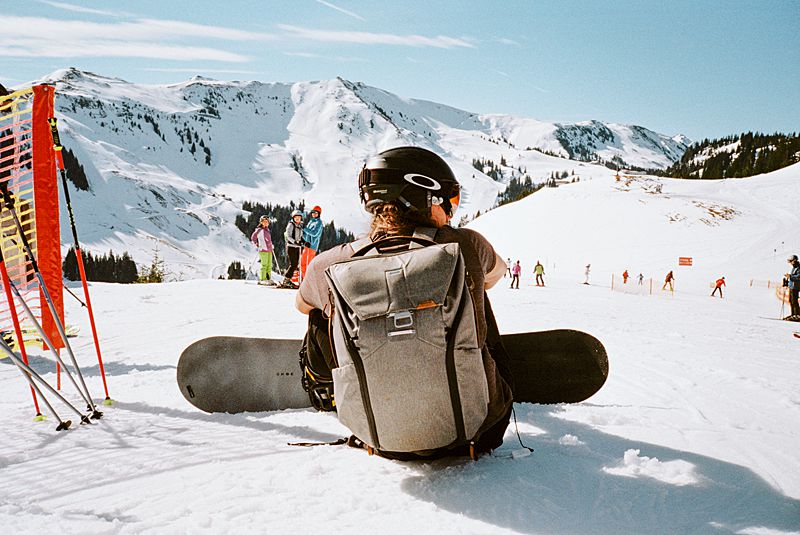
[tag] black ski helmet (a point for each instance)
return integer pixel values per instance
(414, 177)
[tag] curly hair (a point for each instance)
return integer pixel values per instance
(388, 219)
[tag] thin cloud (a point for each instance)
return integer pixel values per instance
(507, 41)
(301, 55)
(81, 9)
(79, 49)
(369, 38)
(342, 10)
(341, 59)
(197, 70)
(145, 38)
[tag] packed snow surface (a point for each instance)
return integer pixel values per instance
(695, 431)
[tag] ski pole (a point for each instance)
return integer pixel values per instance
(49, 343)
(9, 201)
(15, 320)
(61, 423)
(277, 265)
(57, 147)
(31, 374)
(253, 263)
(75, 296)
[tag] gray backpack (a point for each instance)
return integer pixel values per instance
(410, 374)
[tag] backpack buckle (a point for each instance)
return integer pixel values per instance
(401, 323)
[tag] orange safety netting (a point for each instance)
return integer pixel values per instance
(28, 172)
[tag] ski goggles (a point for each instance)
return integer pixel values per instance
(393, 181)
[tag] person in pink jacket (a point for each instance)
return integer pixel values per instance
(516, 269)
(263, 240)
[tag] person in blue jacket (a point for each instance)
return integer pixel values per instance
(312, 233)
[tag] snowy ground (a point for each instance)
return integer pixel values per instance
(696, 430)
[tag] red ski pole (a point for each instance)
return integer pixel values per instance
(57, 147)
(17, 327)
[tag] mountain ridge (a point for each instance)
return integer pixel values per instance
(174, 163)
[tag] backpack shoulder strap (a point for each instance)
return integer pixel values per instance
(425, 232)
(360, 243)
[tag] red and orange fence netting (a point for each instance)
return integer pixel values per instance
(28, 173)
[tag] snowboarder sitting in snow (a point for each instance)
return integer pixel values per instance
(794, 288)
(262, 239)
(404, 189)
(312, 233)
(718, 286)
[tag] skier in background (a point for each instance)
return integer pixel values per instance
(794, 288)
(262, 239)
(625, 277)
(312, 233)
(294, 241)
(641, 279)
(516, 269)
(538, 270)
(718, 286)
(508, 268)
(586, 273)
(668, 282)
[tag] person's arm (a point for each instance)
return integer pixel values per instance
(496, 273)
(301, 305)
(314, 230)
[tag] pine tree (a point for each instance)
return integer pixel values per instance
(74, 170)
(156, 272)
(236, 270)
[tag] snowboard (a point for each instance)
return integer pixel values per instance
(796, 335)
(235, 374)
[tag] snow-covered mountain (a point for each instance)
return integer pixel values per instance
(169, 166)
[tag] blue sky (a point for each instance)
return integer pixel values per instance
(700, 68)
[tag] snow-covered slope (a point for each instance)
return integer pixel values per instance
(169, 166)
(695, 431)
(735, 228)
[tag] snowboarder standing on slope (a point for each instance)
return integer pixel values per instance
(794, 288)
(516, 269)
(294, 241)
(538, 270)
(718, 286)
(668, 282)
(312, 233)
(262, 239)
(586, 273)
(398, 206)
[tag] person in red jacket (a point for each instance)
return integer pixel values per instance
(668, 282)
(625, 277)
(719, 284)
